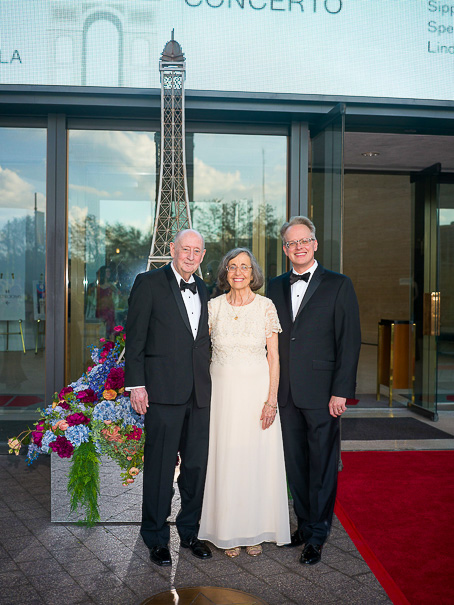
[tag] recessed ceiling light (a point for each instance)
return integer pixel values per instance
(370, 154)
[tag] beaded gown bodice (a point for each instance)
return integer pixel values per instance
(240, 333)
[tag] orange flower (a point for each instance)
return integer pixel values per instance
(134, 471)
(109, 394)
(112, 433)
(61, 424)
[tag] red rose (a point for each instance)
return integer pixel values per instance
(37, 434)
(62, 447)
(64, 392)
(135, 434)
(77, 418)
(115, 379)
(87, 396)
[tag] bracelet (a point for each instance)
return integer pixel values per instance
(271, 406)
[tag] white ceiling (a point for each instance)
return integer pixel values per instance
(398, 152)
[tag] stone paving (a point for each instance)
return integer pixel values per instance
(45, 563)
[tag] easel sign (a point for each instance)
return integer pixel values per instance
(39, 300)
(12, 298)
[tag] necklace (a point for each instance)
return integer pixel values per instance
(238, 307)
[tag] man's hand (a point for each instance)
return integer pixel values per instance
(139, 399)
(337, 406)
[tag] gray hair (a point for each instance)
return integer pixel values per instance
(257, 274)
(298, 220)
(183, 232)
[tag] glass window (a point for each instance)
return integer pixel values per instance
(22, 267)
(239, 190)
(111, 200)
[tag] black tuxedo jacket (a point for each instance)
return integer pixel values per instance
(318, 351)
(161, 352)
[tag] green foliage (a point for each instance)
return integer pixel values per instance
(127, 453)
(83, 482)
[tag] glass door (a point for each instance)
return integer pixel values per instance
(327, 186)
(445, 338)
(425, 291)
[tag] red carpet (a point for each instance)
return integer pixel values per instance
(20, 401)
(398, 508)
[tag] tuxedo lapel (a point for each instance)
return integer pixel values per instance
(312, 287)
(287, 294)
(174, 286)
(203, 300)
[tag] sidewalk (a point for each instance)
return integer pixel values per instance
(44, 563)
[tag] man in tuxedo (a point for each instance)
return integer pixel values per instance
(167, 373)
(318, 350)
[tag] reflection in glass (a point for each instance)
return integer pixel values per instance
(22, 267)
(237, 190)
(111, 199)
(240, 198)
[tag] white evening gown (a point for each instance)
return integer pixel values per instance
(245, 500)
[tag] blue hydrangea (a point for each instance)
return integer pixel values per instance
(33, 453)
(127, 414)
(55, 414)
(80, 385)
(105, 410)
(78, 406)
(48, 437)
(95, 353)
(48, 411)
(78, 434)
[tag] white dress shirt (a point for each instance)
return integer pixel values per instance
(191, 302)
(298, 289)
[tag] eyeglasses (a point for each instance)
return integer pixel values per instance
(304, 242)
(242, 268)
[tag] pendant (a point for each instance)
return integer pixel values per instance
(236, 317)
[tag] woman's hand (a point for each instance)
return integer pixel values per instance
(268, 414)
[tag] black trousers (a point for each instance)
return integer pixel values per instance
(169, 429)
(311, 451)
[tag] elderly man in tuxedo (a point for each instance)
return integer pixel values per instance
(167, 373)
(318, 350)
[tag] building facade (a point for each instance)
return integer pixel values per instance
(337, 109)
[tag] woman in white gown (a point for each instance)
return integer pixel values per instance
(245, 501)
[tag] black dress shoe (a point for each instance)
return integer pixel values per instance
(198, 548)
(160, 555)
(312, 554)
(297, 539)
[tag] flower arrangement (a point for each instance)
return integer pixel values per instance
(90, 417)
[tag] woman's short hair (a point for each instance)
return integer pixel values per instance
(257, 274)
(298, 220)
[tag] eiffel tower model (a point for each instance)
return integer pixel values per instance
(172, 206)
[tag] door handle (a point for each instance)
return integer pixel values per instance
(431, 325)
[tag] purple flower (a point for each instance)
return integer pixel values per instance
(65, 391)
(62, 447)
(135, 434)
(77, 418)
(37, 434)
(115, 379)
(87, 396)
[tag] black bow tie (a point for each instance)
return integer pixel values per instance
(294, 277)
(185, 286)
